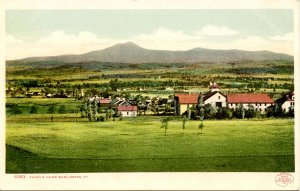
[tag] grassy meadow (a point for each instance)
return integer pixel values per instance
(37, 145)
(61, 143)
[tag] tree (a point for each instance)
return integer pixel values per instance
(200, 106)
(89, 110)
(188, 112)
(239, 112)
(51, 109)
(47, 90)
(184, 119)
(13, 94)
(108, 113)
(278, 112)
(33, 109)
(165, 123)
(94, 106)
(114, 84)
(61, 92)
(251, 113)
(83, 109)
(15, 109)
(209, 111)
(62, 109)
(201, 125)
(224, 113)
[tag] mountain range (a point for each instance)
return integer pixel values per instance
(132, 53)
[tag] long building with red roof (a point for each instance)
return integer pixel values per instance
(258, 101)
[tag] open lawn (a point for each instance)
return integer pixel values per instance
(139, 145)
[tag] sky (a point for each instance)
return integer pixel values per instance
(56, 32)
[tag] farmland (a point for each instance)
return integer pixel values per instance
(40, 141)
(37, 145)
(274, 77)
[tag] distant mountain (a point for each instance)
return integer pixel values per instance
(132, 53)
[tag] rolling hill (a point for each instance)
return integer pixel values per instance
(132, 53)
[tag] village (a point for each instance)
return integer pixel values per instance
(215, 104)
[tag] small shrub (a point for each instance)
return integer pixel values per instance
(51, 109)
(201, 125)
(62, 109)
(33, 109)
(102, 118)
(15, 109)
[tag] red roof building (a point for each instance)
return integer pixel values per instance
(127, 108)
(105, 101)
(187, 98)
(249, 98)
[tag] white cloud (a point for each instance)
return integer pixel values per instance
(166, 39)
(255, 43)
(12, 40)
(285, 37)
(164, 34)
(213, 30)
(59, 43)
(56, 43)
(177, 40)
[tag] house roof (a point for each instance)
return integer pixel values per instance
(285, 97)
(127, 108)
(209, 94)
(105, 100)
(193, 98)
(249, 98)
(187, 98)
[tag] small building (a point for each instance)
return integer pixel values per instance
(106, 102)
(286, 102)
(184, 101)
(214, 97)
(127, 111)
(258, 101)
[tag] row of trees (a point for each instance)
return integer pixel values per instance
(90, 110)
(165, 123)
(34, 109)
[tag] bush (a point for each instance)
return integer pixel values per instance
(239, 112)
(15, 109)
(102, 118)
(33, 109)
(251, 113)
(209, 111)
(51, 109)
(224, 113)
(62, 109)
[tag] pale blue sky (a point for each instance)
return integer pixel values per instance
(155, 29)
(126, 23)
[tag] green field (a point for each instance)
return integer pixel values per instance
(37, 145)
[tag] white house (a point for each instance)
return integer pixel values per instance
(258, 101)
(213, 97)
(127, 110)
(287, 102)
